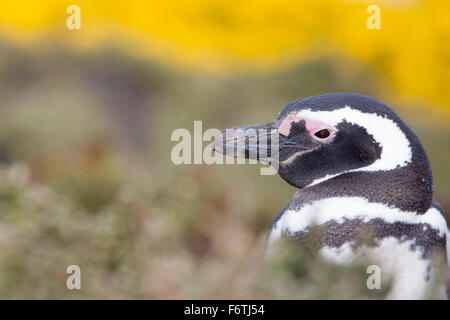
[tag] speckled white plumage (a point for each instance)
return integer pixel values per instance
(397, 259)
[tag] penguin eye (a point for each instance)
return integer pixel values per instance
(322, 134)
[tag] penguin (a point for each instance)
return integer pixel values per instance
(357, 166)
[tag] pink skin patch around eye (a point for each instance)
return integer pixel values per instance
(312, 126)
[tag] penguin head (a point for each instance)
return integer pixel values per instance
(317, 138)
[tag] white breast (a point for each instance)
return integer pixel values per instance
(397, 262)
(395, 258)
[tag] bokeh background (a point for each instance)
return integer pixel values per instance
(86, 118)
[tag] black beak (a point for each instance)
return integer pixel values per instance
(259, 142)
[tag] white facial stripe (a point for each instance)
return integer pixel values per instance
(338, 209)
(328, 176)
(396, 150)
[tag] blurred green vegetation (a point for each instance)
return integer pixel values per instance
(86, 179)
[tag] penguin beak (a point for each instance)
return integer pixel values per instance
(259, 142)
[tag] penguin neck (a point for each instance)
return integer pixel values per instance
(408, 188)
